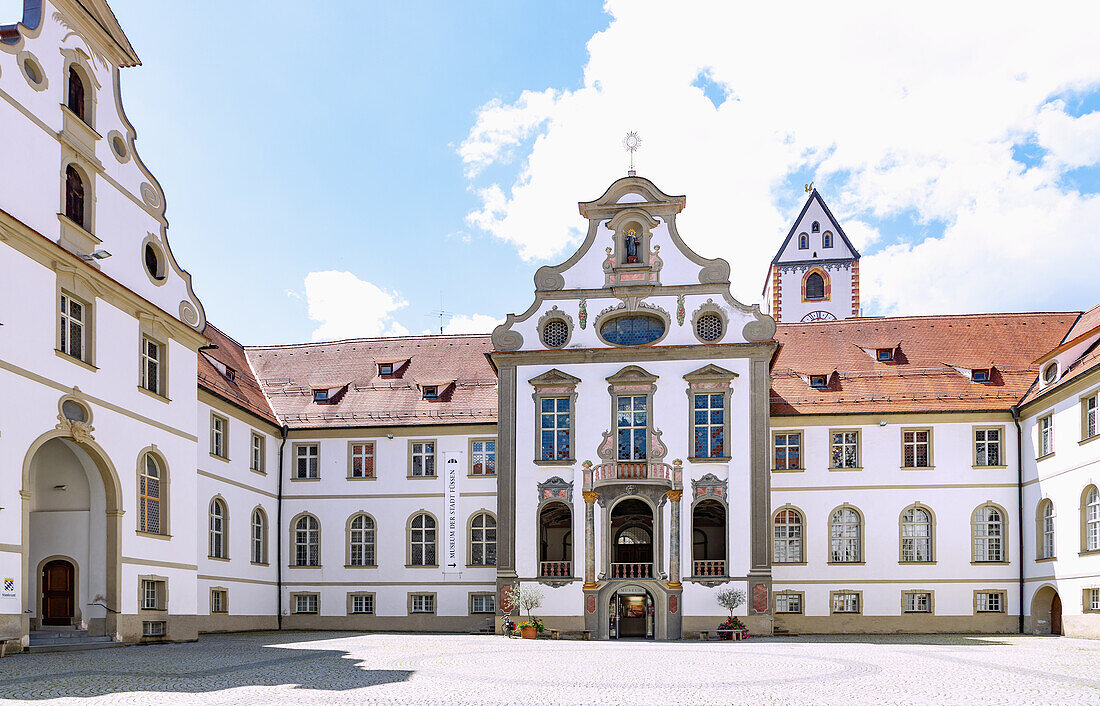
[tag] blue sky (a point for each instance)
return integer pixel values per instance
(332, 169)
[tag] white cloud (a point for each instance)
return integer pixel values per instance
(894, 111)
(471, 323)
(348, 307)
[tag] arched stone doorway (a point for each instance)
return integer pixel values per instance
(632, 540)
(71, 517)
(632, 613)
(1046, 612)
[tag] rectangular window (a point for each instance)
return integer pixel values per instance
(72, 327)
(845, 602)
(306, 461)
(1046, 435)
(153, 628)
(483, 603)
(422, 603)
(150, 595)
(258, 453)
(980, 375)
(320, 396)
(218, 426)
(150, 365)
(305, 603)
(987, 447)
(788, 603)
(431, 392)
(631, 423)
(554, 427)
(385, 370)
(884, 355)
(362, 604)
(916, 448)
(1092, 600)
(483, 458)
(1088, 417)
(788, 451)
(362, 460)
(819, 382)
(917, 602)
(423, 459)
(710, 425)
(219, 601)
(845, 449)
(990, 602)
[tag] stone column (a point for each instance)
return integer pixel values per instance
(590, 498)
(674, 544)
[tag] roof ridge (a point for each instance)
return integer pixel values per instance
(870, 319)
(422, 336)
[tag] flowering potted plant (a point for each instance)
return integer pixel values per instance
(732, 628)
(527, 598)
(530, 629)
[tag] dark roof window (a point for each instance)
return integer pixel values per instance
(980, 375)
(320, 396)
(431, 392)
(884, 355)
(385, 369)
(819, 382)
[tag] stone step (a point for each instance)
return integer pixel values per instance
(89, 643)
(42, 635)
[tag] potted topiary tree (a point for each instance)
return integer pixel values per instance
(527, 598)
(732, 628)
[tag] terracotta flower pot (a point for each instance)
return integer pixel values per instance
(528, 633)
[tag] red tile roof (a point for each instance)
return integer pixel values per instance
(288, 374)
(1084, 329)
(243, 390)
(921, 377)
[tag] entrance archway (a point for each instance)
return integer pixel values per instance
(1046, 612)
(631, 613)
(71, 507)
(632, 549)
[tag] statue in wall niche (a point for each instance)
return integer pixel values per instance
(631, 242)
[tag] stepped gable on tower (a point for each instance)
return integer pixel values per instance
(815, 274)
(936, 363)
(379, 381)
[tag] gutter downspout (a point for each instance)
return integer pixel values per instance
(279, 537)
(1015, 409)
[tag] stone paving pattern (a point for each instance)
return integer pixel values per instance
(383, 668)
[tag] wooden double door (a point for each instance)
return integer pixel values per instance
(58, 592)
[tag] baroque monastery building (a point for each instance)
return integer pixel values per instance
(633, 442)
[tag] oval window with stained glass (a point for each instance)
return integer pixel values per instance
(636, 330)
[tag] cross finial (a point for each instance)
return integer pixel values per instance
(809, 187)
(631, 143)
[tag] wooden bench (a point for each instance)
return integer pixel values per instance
(704, 635)
(555, 634)
(586, 634)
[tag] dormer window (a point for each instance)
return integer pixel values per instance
(1050, 373)
(320, 396)
(431, 392)
(815, 228)
(230, 374)
(884, 355)
(819, 382)
(803, 242)
(385, 370)
(827, 240)
(980, 375)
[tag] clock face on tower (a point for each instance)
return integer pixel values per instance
(818, 316)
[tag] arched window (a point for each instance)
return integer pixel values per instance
(708, 550)
(259, 537)
(361, 541)
(1046, 529)
(483, 540)
(803, 242)
(555, 540)
(787, 537)
(827, 240)
(74, 196)
(150, 496)
(816, 227)
(815, 286)
(76, 94)
(916, 535)
(307, 541)
(217, 528)
(1090, 519)
(989, 532)
(845, 535)
(422, 540)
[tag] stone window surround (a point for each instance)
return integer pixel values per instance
(164, 486)
(709, 379)
(1049, 416)
(294, 446)
(77, 60)
(225, 600)
(1005, 544)
(73, 286)
(709, 307)
(347, 540)
(373, 456)
(78, 236)
(294, 602)
(354, 594)
(801, 450)
(631, 381)
(656, 528)
(470, 541)
(1004, 600)
(470, 448)
(931, 601)
(771, 534)
(470, 602)
(931, 459)
(825, 278)
(162, 593)
(224, 540)
(1085, 551)
(543, 503)
(931, 539)
(1040, 538)
(153, 330)
(1084, 400)
(859, 602)
(408, 540)
(974, 444)
(862, 546)
(252, 460)
(859, 449)
(43, 81)
(435, 603)
(224, 455)
(786, 592)
(555, 314)
(725, 535)
(434, 455)
(555, 383)
(263, 537)
(293, 546)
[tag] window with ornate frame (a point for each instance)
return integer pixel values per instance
(989, 529)
(787, 450)
(846, 601)
(788, 601)
(917, 602)
(827, 239)
(709, 392)
(361, 540)
(421, 603)
(788, 536)
(816, 285)
(555, 397)
(916, 535)
(846, 535)
(803, 241)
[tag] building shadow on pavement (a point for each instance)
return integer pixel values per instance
(213, 663)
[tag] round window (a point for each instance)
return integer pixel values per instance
(635, 330)
(119, 146)
(1050, 373)
(152, 261)
(709, 327)
(555, 333)
(73, 411)
(32, 71)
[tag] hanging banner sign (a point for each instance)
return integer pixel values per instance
(452, 527)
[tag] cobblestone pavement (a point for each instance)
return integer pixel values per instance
(382, 668)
